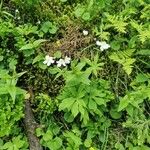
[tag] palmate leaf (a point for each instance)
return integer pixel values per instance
(71, 136)
(54, 144)
(94, 66)
(66, 103)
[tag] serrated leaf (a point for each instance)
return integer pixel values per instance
(27, 47)
(48, 136)
(145, 52)
(66, 103)
(38, 42)
(92, 105)
(37, 58)
(75, 109)
(123, 103)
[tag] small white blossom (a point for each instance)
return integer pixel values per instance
(60, 63)
(48, 60)
(103, 45)
(67, 60)
(98, 43)
(85, 32)
(17, 11)
(39, 22)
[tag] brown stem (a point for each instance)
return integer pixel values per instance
(30, 126)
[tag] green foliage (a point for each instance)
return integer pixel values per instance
(82, 95)
(15, 144)
(49, 27)
(98, 101)
(124, 58)
(89, 10)
(11, 102)
(116, 22)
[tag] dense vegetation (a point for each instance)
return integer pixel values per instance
(83, 65)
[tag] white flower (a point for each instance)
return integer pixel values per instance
(67, 60)
(48, 60)
(60, 63)
(85, 32)
(17, 11)
(103, 45)
(98, 43)
(39, 22)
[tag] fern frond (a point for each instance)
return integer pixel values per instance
(124, 58)
(117, 22)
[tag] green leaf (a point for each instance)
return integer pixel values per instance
(3, 90)
(20, 74)
(68, 117)
(53, 29)
(141, 78)
(123, 103)
(7, 145)
(99, 101)
(79, 11)
(57, 54)
(1, 58)
(38, 58)
(86, 16)
(75, 109)
(49, 27)
(39, 132)
(18, 142)
(42, 66)
(46, 26)
(87, 142)
(27, 47)
(66, 103)
(115, 45)
(145, 52)
(38, 42)
(57, 143)
(12, 92)
(63, 0)
(114, 114)
(92, 105)
(12, 64)
(48, 136)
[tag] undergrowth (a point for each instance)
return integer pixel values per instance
(84, 66)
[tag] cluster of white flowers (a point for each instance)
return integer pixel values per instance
(61, 62)
(103, 45)
(85, 32)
